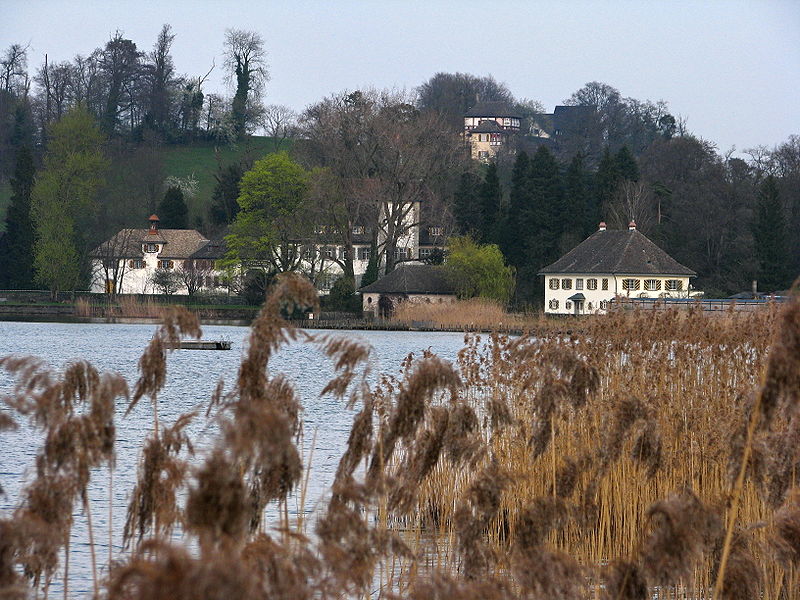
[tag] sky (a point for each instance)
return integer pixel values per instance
(730, 68)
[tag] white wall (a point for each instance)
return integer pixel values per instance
(598, 296)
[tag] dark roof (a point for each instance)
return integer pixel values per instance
(623, 252)
(178, 243)
(570, 118)
(492, 109)
(213, 250)
(412, 279)
(488, 127)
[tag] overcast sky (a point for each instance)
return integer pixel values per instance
(732, 68)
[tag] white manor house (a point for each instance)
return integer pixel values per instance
(611, 263)
(143, 261)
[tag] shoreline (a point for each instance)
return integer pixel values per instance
(67, 316)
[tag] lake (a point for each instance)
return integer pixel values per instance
(191, 378)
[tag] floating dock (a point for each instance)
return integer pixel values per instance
(203, 345)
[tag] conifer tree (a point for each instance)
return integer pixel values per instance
(770, 239)
(542, 221)
(626, 165)
(172, 211)
(490, 199)
(510, 238)
(606, 180)
(466, 203)
(16, 246)
(371, 274)
(579, 218)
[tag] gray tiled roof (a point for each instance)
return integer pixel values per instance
(412, 279)
(623, 252)
(492, 109)
(178, 243)
(488, 127)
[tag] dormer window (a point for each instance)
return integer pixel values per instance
(150, 247)
(434, 231)
(358, 230)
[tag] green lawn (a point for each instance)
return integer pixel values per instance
(201, 159)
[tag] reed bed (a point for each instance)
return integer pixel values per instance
(647, 454)
(476, 314)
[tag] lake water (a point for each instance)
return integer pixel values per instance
(191, 378)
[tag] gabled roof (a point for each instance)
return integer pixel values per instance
(178, 243)
(570, 118)
(412, 279)
(212, 250)
(618, 252)
(488, 127)
(492, 109)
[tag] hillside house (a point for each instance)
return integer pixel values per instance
(609, 264)
(488, 127)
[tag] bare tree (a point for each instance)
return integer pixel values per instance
(245, 59)
(279, 123)
(113, 259)
(194, 274)
(383, 156)
(632, 202)
(55, 82)
(14, 70)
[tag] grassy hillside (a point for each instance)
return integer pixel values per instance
(201, 160)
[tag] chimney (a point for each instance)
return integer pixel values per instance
(153, 225)
(602, 226)
(755, 287)
(632, 226)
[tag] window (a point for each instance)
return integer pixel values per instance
(554, 284)
(342, 252)
(434, 231)
(364, 253)
(568, 305)
(590, 306)
(165, 264)
(136, 263)
(425, 252)
(579, 284)
(358, 230)
(652, 285)
(603, 304)
(402, 253)
(630, 284)
(329, 252)
(507, 122)
(591, 284)
(149, 247)
(553, 304)
(566, 284)
(605, 284)
(483, 154)
(673, 285)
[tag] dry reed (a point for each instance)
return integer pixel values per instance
(641, 451)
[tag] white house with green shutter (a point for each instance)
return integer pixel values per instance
(611, 263)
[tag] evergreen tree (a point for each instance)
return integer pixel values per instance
(542, 221)
(466, 203)
(172, 211)
(490, 199)
(770, 239)
(606, 180)
(16, 246)
(626, 165)
(371, 274)
(579, 218)
(510, 237)
(224, 206)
